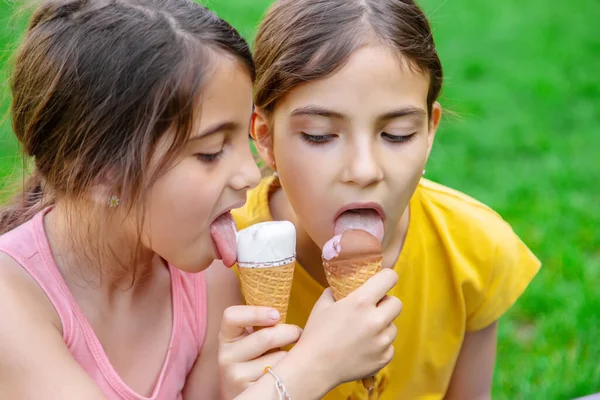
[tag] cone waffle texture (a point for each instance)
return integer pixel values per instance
(268, 287)
(345, 276)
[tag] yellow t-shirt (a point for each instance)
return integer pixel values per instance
(460, 269)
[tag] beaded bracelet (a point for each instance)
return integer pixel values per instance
(281, 391)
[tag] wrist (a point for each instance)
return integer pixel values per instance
(303, 377)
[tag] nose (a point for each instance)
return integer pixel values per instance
(363, 166)
(246, 175)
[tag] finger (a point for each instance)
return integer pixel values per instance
(255, 369)
(373, 290)
(325, 300)
(259, 342)
(389, 355)
(390, 307)
(237, 318)
(389, 335)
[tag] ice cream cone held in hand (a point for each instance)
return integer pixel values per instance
(353, 256)
(266, 259)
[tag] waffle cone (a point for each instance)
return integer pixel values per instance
(345, 276)
(268, 287)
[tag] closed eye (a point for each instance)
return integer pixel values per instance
(398, 138)
(209, 158)
(317, 139)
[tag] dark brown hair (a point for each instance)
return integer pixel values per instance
(97, 83)
(303, 40)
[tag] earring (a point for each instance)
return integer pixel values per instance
(423, 173)
(113, 201)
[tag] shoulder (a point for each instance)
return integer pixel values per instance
(23, 303)
(32, 348)
(462, 220)
(19, 239)
(455, 206)
(20, 293)
(490, 265)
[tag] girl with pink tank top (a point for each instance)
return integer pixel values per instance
(135, 116)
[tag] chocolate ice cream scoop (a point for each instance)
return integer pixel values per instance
(351, 244)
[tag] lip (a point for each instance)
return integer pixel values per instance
(362, 206)
(228, 209)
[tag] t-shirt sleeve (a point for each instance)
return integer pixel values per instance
(512, 268)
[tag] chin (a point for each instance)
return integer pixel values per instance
(203, 265)
(194, 266)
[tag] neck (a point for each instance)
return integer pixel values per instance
(309, 254)
(98, 256)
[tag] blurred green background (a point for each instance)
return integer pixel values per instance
(523, 80)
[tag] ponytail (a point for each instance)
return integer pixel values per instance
(25, 205)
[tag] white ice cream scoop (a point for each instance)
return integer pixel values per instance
(266, 244)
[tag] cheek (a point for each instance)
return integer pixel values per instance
(302, 165)
(405, 161)
(303, 174)
(181, 205)
(403, 171)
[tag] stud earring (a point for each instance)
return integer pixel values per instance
(423, 173)
(113, 201)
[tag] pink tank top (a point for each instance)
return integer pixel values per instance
(28, 245)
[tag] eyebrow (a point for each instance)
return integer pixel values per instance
(403, 112)
(315, 111)
(226, 126)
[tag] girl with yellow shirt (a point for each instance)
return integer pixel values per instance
(346, 115)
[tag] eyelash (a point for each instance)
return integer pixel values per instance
(209, 158)
(316, 139)
(323, 139)
(398, 139)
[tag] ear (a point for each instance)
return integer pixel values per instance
(434, 122)
(101, 195)
(105, 189)
(263, 137)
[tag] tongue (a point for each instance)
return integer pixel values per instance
(367, 220)
(223, 235)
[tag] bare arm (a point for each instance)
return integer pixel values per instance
(223, 291)
(35, 363)
(472, 377)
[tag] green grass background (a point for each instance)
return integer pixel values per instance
(523, 78)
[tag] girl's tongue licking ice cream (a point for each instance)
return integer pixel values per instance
(223, 231)
(366, 219)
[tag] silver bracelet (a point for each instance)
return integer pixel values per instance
(281, 391)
